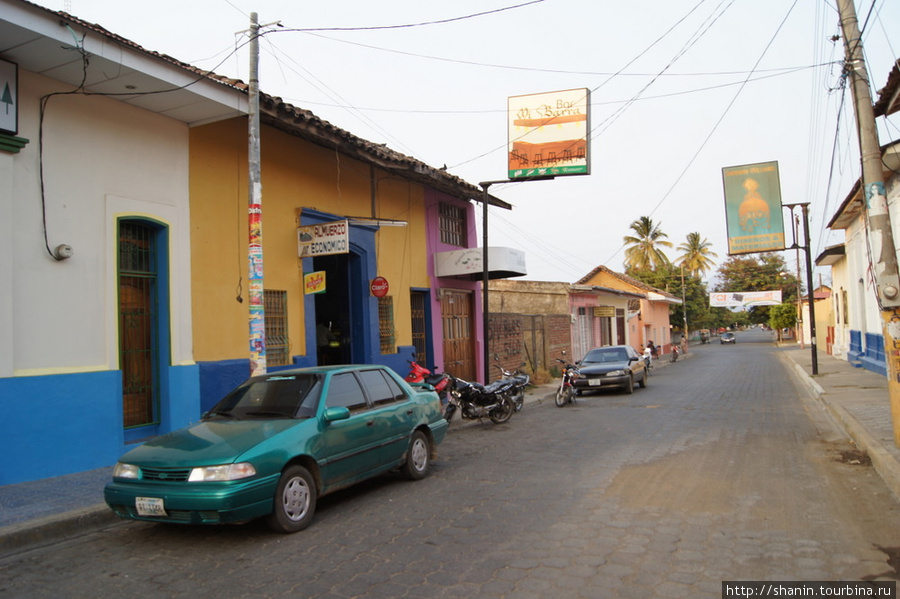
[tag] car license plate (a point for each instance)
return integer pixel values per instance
(150, 506)
(595, 382)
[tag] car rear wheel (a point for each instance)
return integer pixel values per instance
(418, 458)
(295, 501)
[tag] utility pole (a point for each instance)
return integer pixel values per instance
(255, 251)
(881, 236)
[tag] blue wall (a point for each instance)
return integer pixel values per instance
(63, 423)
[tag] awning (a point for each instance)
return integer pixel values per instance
(503, 263)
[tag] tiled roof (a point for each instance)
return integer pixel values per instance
(625, 279)
(303, 123)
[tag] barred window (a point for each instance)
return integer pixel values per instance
(452, 224)
(386, 324)
(277, 350)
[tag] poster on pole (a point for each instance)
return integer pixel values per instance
(549, 134)
(753, 212)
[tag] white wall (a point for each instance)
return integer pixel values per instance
(102, 159)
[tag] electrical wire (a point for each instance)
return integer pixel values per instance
(420, 24)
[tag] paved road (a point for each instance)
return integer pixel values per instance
(718, 470)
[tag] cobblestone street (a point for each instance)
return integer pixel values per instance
(719, 470)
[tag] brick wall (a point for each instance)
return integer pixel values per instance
(513, 339)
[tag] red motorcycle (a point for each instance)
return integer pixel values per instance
(420, 374)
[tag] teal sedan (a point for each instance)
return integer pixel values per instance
(275, 444)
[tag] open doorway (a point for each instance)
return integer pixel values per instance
(333, 311)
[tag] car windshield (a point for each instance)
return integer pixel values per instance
(287, 396)
(599, 356)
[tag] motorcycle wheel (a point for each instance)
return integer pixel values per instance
(562, 396)
(519, 400)
(503, 412)
(449, 410)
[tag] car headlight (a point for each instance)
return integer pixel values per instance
(126, 471)
(222, 473)
(615, 373)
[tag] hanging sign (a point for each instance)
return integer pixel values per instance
(549, 134)
(753, 208)
(379, 287)
(323, 239)
(314, 282)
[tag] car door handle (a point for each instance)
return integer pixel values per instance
(409, 412)
(370, 422)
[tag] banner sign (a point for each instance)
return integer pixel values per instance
(745, 299)
(323, 239)
(549, 134)
(753, 208)
(314, 282)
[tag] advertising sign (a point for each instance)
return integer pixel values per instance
(9, 97)
(314, 282)
(745, 299)
(323, 239)
(753, 208)
(549, 134)
(379, 287)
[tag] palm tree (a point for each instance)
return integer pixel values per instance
(644, 246)
(696, 255)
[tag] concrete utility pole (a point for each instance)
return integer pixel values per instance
(881, 236)
(255, 252)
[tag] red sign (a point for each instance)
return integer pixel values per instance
(379, 287)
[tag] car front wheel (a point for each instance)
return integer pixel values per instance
(629, 385)
(418, 458)
(295, 501)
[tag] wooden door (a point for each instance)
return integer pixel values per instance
(459, 351)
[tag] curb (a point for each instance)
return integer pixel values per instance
(33, 534)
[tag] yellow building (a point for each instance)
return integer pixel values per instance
(388, 207)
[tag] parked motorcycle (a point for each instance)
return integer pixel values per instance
(566, 392)
(521, 378)
(420, 374)
(474, 400)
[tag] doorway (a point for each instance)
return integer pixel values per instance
(456, 314)
(334, 311)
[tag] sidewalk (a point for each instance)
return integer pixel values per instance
(858, 400)
(42, 512)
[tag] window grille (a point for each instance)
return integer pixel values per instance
(386, 324)
(452, 222)
(277, 344)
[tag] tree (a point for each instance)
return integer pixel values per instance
(697, 255)
(783, 316)
(644, 251)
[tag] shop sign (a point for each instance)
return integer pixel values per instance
(604, 311)
(323, 239)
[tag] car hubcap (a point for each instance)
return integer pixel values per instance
(296, 498)
(419, 455)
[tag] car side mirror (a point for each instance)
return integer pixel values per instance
(333, 414)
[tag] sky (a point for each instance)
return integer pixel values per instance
(679, 90)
